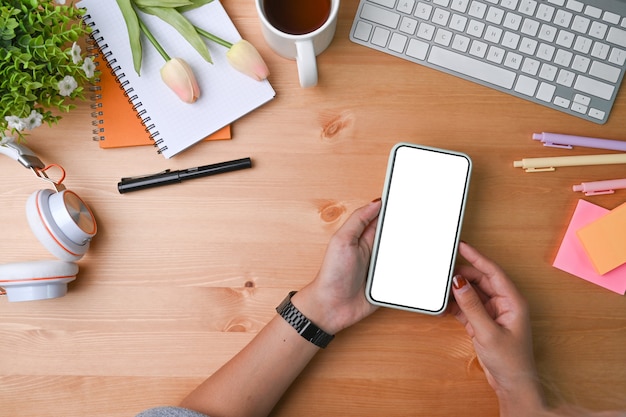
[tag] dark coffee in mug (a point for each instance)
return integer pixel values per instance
(296, 17)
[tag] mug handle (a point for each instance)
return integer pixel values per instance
(307, 64)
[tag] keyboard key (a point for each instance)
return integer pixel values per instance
(510, 40)
(595, 113)
(495, 15)
(604, 71)
(600, 50)
(459, 5)
(566, 78)
(548, 72)
(512, 21)
(466, 65)
(406, 6)
(546, 92)
(408, 25)
(593, 87)
(478, 49)
(584, 100)
(527, 7)
(580, 24)
(565, 39)
(563, 18)
(617, 57)
(611, 18)
(509, 4)
(386, 3)
(530, 66)
(475, 28)
(441, 17)
(561, 102)
(380, 37)
(593, 11)
(363, 31)
(477, 9)
(526, 85)
(563, 58)
(581, 63)
(423, 11)
(461, 43)
(545, 12)
(380, 16)
(458, 22)
(417, 49)
(617, 36)
(598, 30)
(574, 5)
(513, 60)
(443, 37)
(583, 44)
(426, 31)
(397, 42)
(580, 108)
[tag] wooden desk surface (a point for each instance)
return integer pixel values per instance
(180, 278)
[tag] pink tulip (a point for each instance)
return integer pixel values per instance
(244, 57)
(178, 76)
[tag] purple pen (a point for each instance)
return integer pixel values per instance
(555, 140)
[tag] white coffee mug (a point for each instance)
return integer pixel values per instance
(303, 48)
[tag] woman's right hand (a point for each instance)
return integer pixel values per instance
(496, 317)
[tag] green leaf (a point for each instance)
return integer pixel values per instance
(162, 3)
(132, 24)
(183, 26)
(195, 5)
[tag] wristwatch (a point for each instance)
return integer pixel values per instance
(305, 327)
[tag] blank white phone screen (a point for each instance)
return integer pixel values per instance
(419, 227)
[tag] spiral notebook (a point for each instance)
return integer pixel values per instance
(225, 94)
(116, 124)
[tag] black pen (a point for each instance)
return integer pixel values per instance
(174, 177)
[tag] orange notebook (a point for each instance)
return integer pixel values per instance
(117, 124)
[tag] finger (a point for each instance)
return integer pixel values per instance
(359, 221)
(472, 307)
(494, 282)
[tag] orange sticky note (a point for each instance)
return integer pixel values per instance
(604, 240)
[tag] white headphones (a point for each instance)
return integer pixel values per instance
(64, 225)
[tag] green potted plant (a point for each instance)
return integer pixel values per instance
(42, 67)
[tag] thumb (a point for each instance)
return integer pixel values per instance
(472, 306)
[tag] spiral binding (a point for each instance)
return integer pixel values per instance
(96, 46)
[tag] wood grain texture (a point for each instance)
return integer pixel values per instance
(180, 278)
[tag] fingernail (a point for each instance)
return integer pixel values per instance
(459, 282)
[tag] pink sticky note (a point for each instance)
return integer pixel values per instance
(572, 257)
(605, 240)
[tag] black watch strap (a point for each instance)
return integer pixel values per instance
(305, 327)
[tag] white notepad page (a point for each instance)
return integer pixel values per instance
(225, 93)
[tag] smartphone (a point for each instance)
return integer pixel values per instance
(418, 231)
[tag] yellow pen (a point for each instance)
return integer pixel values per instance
(549, 164)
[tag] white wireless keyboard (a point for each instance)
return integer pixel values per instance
(569, 55)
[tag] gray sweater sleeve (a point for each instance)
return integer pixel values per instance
(170, 412)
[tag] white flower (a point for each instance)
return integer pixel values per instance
(33, 120)
(5, 139)
(76, 58)
(89, 67)
(67, 85)
(15, 122)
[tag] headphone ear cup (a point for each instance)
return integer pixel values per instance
(44, 210)
(36, 280)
